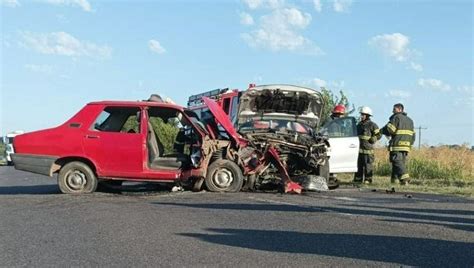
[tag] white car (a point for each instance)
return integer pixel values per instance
(8, 141)
(344, 144)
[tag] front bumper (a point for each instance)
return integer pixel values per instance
(40, 164)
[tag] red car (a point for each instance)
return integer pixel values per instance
(117, 140)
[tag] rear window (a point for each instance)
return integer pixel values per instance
(118, 119)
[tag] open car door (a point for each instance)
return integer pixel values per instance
(344, 144)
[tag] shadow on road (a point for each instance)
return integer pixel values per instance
(400, 250)
(30, 189)
(462, 227)
(421, 210)
(46, 189)
(344, 210)
(255, 207)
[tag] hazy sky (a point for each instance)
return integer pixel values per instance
(57, 55)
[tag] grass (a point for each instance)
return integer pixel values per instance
(434, 170)
(3, 160)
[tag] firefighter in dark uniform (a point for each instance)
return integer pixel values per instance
(368, 133)
(402, 136)
(335, 129)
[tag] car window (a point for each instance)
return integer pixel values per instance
(235, 107)
(340, 127)
(118, 119)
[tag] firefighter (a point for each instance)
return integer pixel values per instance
(368, 133)
(335, 129)
(402, 136)
(338, 111)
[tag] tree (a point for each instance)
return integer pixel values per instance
(166, 132)
(330, 100)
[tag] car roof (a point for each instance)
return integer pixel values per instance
(138, 103)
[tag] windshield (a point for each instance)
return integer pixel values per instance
(275, 125)
(195, 120)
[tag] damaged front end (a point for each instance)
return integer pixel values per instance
(276, 146)
(285, 117)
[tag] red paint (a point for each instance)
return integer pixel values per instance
(223, 119)
(290, 186)
(113, 154)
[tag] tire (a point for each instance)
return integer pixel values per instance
(224, 176)
(323, 170)
(77, 178)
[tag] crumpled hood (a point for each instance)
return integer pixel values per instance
(286, 102)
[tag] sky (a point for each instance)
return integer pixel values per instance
(58, 55)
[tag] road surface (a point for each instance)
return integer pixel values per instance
(142, 227)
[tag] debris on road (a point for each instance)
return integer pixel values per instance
(391, 191)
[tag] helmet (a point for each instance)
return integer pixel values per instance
(365, 110)
(339, 109)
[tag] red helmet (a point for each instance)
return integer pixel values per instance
(339, 109)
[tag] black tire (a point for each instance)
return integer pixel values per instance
(224, 176)
(77, 178)
(323, 170)
(331, 180)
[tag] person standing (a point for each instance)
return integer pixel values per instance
(368, 133)
(402, 136)
(335, 129)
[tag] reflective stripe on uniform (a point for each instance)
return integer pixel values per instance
(362, 151)
(404, 143)
(399, 148)
(376, 131)
(405, 176)
(391, 127)
(404, 132)
(365, 138)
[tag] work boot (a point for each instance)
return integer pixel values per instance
(368, 181)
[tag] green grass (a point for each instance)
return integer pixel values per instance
(3, 160)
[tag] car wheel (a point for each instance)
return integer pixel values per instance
(77, 178)
(224, 176)
(323, 170)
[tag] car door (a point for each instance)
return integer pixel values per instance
(344, 144)
(115, 143)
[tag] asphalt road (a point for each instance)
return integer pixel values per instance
(143, 227)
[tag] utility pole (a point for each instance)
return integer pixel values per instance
(419, 135)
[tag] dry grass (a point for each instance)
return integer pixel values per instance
(438, 170)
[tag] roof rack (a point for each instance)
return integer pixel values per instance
(196, 100)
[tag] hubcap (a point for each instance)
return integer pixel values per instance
(76, 180)
(223, 178)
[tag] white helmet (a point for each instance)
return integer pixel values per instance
(366, 110)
